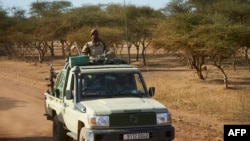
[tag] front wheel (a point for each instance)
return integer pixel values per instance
(82, 134)
(59, 133)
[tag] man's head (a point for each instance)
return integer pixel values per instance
(94, 34)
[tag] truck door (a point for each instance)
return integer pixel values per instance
(70, 113)
(57, 100)
(61, 84)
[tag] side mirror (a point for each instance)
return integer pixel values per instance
(69, 95)
(151, 91)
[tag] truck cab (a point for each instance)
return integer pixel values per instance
(105, 100)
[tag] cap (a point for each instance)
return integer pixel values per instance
(94, 32)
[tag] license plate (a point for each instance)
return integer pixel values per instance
(136, 136)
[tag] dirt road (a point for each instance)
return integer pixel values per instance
(21, 110)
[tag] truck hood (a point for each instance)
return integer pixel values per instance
(106, 106)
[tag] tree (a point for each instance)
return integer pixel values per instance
(3, 29)
(240, 35)
(220, 46)
(181, 33)
(141, 22)
(49, 14)
(238, 12)
(204, 31)
(113, 38)
(176, 7)
(199, 37)
(11, 38)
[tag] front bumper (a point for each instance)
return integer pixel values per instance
(162, 133)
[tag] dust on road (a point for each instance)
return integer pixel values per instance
(21, 110)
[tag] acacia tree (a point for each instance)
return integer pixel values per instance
(182, 33)
(48, 17)
(4, 49)
(12, 33)
(240, 34)
(200, 38)
(201, 34)
(116, 15)
(142, 35)
(220, 46)
(141, 22)
(236, 11)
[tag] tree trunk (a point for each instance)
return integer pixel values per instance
(68, 47)
(200, 74)
(42, 49)
(8, 49)
(129, 55)
(51, 48)
(246, 57)
(144, 56)
(41, 55)
(234, 64)
(197, 63)
(190, 62)
(121, 49)
(63, 47)
(137, 53)
(137, 45)
(224, 75)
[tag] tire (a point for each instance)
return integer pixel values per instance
(59, 133)
(82, 134)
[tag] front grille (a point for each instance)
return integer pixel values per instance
(132, 119)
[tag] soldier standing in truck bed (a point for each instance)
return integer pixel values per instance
(94, 47)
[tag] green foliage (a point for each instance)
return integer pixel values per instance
(200, 28)
(204, 31)
(177, 6)
(111, 36)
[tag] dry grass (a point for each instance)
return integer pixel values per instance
(179, 88)
(203, 98)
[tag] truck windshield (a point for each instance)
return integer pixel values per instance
(111, 84)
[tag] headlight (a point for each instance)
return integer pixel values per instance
(163, 118)
(99, 120)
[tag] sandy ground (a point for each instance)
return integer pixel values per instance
(22, 108)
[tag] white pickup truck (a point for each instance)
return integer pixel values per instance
(104, 100)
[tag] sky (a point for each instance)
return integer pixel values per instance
(25, 4)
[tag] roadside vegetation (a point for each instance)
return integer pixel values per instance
(202, 32)
(179, 89)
